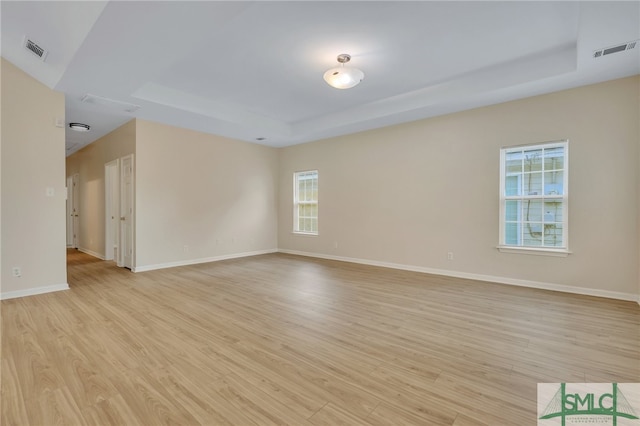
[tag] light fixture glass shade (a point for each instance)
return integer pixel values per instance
(343, 77)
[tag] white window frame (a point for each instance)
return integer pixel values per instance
(564, 197)
(297, 202)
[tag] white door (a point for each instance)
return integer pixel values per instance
(75, 209)
(69, 211)
(112, 209)
(126, 211)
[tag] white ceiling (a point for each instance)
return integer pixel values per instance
(251, 70)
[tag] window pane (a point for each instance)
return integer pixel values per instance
(512, 185)
(533, 160)
(533, 184)
(554, 158)
(532, 234)
(533, 211)
(512, 212)
(512, 234)
(514, 162)
(553, 235)
(553, 183)
(553, 212)
(300, 190)
(310, 190)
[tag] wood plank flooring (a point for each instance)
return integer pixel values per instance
(281, 339)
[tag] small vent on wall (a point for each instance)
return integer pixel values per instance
(615, 49)
(34, 48)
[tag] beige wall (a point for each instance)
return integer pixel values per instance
(405, 194)
(214, 195)
(408, 194)
(33, 230)
(89, 163)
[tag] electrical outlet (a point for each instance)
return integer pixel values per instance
(17, 272)
(335, 244)
(450, 255)
(185, 249)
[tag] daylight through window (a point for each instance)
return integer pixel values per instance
(533, 196)
(305, 202)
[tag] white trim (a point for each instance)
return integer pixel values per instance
(33, 291)
(92, 253)
(146, 268)
(478, 277)
(535, 251)
(305, 234)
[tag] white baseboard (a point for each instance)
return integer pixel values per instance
(33, 291)
(92, 253)
(479, 277)
(145, 268)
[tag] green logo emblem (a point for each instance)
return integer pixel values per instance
(588, 400)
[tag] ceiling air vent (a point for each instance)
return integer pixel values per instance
(615, 49)
(33, 47)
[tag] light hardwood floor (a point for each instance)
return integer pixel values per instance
(280, 339)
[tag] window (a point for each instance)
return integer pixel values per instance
(305, 202)
(533, 197)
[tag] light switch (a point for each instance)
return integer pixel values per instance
(50, 192)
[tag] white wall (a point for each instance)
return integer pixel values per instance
(89, 164)
(216, 196)
(638, 180)
(33, 230)
(408, 194)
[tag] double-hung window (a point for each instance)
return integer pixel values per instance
(533, 198)
(305, 202)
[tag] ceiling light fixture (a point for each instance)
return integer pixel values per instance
(343, 77)
(79, 127)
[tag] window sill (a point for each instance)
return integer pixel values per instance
(534, 251)
(305, 234)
